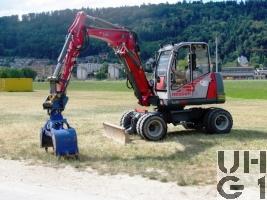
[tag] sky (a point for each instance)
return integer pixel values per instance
(19, 7)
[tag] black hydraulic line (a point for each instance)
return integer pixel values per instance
(128, 82)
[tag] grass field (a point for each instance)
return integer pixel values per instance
(186, 157)
(116, 86)
(244, 89)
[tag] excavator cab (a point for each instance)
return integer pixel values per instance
(182, 76)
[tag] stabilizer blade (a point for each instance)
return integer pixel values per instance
(117, 133)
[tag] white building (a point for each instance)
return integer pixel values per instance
(243, 61)
(114, 71)
(86, 69)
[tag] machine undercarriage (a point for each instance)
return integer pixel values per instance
(153, 125)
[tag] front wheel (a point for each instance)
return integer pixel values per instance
(126, 119)
(152, 127)
(218, 121)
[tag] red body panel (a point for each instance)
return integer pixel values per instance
(212, 91)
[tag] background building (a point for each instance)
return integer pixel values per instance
(114, 71)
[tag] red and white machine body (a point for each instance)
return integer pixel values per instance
(182, 77)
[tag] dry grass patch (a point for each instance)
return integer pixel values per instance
(186, 157)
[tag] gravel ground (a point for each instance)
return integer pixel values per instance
(19, 180)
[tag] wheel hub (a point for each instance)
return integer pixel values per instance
(221, 122)
(154, 128)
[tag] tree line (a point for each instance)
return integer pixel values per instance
(17, 73)
(241, 27)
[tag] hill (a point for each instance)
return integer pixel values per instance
(240, 27)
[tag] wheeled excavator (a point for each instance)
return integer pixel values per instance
(182, 79)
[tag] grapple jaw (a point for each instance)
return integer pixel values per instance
(58, 134)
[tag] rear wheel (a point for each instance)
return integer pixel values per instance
(218, 120)
(152, 127)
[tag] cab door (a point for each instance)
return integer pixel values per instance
(190, 72)
(161, 71)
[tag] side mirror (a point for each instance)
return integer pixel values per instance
(150, 65)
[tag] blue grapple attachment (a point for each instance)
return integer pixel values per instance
(56, 132)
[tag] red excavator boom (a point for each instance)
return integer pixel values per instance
(124, 43)
(120, 39)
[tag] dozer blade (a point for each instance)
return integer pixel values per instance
(116, 133)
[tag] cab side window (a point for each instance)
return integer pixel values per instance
(200, 60)
(179, 68)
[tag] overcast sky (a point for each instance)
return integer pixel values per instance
(18, 7)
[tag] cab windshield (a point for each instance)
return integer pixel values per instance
(163, 62)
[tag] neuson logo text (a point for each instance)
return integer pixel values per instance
(241, 175)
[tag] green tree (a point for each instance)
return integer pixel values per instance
(29, 73)
(14, 73)
(17, 73)
(240, 26)
(103, 72)
(3, 72)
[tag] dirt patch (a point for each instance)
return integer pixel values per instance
(21, 181)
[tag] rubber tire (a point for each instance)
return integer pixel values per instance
(126, 119)
(210, 121)
(206, 122)
(145, 122)
(138, 126)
